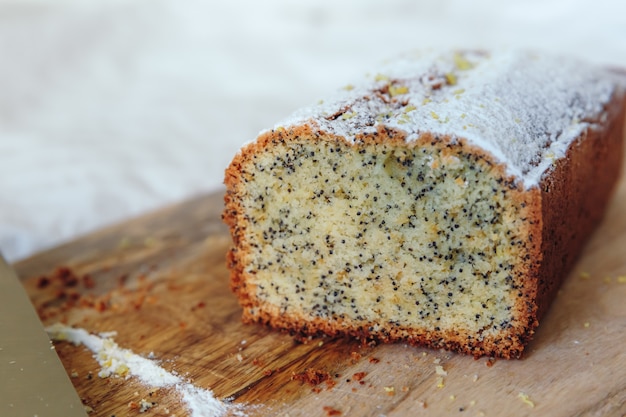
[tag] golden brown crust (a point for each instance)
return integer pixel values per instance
(574, 197)
(562, 212)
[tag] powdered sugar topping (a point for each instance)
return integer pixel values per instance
(116, 361)
(523, 108)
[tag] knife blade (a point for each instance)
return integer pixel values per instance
(33, 381)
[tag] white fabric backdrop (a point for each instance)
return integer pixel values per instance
(110, 109)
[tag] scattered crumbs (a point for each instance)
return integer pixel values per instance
(490, 362)
(359, 376)
(621, 279)
(409, 108)
(473, 403)
(349, 87)
(381, 77)
(584, 275)
(43, 282)
(355, 356)
(239, 357)
(88, 409)
(437, 360)
(74, 374)
(440, 383)
(434, 115)
(374, 360)
(452, 397)
(422, 404)
(526, 399)
(145, 405)
(426, 101)
(586, 324)
(331, 411)
(314, 377)
(347, 116)
(607, 280)
(404, 389)
(475, 378)
(390, 390)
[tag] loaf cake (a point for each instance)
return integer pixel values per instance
(439, 202)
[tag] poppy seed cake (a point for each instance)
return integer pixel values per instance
(440, 202)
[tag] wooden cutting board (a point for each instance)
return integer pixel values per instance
(161, 283)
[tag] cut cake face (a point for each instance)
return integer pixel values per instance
(411, 208)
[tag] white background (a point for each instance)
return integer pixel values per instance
(110, 109)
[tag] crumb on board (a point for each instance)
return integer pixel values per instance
(66, 289)
(526, 399)
(314, 377)
(331, 411)
(359, 376)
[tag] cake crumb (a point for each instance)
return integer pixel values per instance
(359, 376)
(314, 377)
(526, 399)
(331, 411)
(390, 390)
(145, 405)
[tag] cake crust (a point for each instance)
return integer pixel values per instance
(554, 218)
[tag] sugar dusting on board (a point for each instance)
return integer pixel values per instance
(524, 108)
(124, 363)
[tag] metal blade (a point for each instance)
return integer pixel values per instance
(33, 381)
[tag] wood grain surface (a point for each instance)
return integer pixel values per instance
(161, 283)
